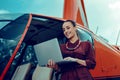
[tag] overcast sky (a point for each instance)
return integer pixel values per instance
(45, 7)
(104, 14)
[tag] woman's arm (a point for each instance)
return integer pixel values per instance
(90, 56)
(82, 62)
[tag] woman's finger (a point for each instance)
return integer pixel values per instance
(51, 63)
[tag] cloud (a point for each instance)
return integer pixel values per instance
(114, 13)
(2, 11)
(115, 5)
(106, 15)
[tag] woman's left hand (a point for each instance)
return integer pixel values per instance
(70, 59)
(82, 62)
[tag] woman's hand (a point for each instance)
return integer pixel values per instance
(80, 61)
(70, 59)
(52, 64)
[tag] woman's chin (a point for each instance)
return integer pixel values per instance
(68, 37)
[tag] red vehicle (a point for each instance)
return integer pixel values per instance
(20, 32)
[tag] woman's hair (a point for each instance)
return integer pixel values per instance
(71, 21)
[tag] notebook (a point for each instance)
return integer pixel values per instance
(49, 50)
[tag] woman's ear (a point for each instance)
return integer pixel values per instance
(75, 28)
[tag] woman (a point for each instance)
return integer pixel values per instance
(75, 50)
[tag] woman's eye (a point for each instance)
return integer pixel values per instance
(63, 29)
(68, 27)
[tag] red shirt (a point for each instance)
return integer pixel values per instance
(85, 52)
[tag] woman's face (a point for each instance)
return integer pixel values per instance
(69, 30)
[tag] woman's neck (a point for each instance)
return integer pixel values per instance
(74, 39)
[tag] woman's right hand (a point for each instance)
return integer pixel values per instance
(52, 64)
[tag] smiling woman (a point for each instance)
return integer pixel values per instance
(81, 52)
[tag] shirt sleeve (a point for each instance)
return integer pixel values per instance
(90, 56)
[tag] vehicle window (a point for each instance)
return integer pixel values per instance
(10, 33)
(14, 28)
(7, 18)
(6, 49)
(84, 35)
(15, 62)
(29, 55)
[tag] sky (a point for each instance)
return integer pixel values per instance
(103, 15)
(103, 18)
(44, 7)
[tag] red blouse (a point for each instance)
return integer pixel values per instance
(85, 52)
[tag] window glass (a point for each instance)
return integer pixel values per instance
(29, 55)
(11, 29)
(6, 49)
(84, 35)
(7, 18)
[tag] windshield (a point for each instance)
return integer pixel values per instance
(11, 29)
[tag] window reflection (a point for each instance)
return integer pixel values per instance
(6, 49)
(84, 35)
(29, 55)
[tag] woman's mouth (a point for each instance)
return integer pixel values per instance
(68, 34)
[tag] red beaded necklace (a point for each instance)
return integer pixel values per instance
(72, 48)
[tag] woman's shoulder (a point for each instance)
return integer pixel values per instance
(86, 43)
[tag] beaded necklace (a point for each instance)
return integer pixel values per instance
(72, 48)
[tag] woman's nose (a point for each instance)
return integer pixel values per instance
(65, 30)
